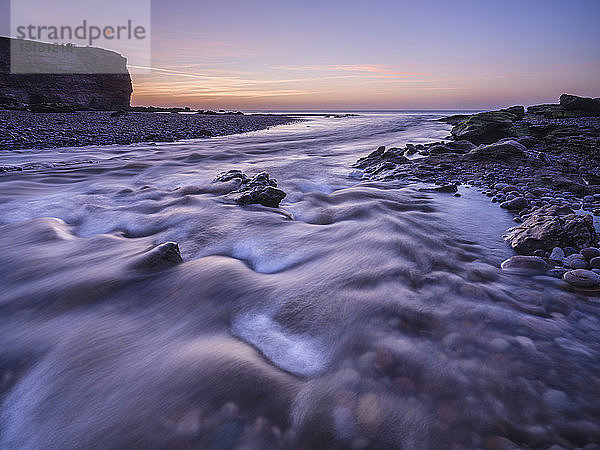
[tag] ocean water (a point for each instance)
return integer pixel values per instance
(359, 315)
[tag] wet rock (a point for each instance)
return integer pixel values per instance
(552, 226)
(266, 196)
(381, 155)
(590, 253)
(230, 175)
(503, 151)
(595, 263)
(557, 273)
(160, 257)
(457, 147)
(488, 127)
(261, 189)
(516, 204)
(447, 188)
(575, 261)
(525, 264)
(582, 278)
(557, 254)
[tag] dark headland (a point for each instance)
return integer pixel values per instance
(542, 164)
(61, 98)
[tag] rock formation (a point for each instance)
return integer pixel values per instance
(76, 77)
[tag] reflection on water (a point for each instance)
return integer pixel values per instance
(377, 318)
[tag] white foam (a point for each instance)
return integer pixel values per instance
(299, 354)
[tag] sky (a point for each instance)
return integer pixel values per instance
(427, 54)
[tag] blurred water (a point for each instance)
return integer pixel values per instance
(376, 318)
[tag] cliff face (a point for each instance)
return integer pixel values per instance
(64, 76)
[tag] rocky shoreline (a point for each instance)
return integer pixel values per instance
(29, 130)
(543, 165)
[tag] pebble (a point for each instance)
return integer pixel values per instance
(582, 278)
(595, 263)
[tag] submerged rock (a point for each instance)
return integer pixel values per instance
(447, 188)
(260, 190)
(266, 196)
(552, 226)
(160, 257)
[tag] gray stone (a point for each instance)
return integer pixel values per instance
(552, 226)
(521, 263)
(516, 204)
(503, 151)
(557, 254)
(575, 261)
(590, 253)
(582, 278)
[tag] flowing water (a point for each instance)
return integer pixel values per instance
(360, 315)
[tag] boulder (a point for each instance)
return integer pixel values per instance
(516, 204)
(488, 127)
(554, 111)
(585, 104)
(525, 264)
(575, 261)
(582, 278)
(590, 253)
(557, 254)
(518, 111)
(552, 226)
(261, 189)
(381, 155)
(458, 147)
(230, 175)
(266, 196)
(501, 151)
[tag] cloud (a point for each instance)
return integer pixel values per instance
(378, 70)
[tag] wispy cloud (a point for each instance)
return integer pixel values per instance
(379, 70)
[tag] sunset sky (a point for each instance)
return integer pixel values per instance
(348, 54)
